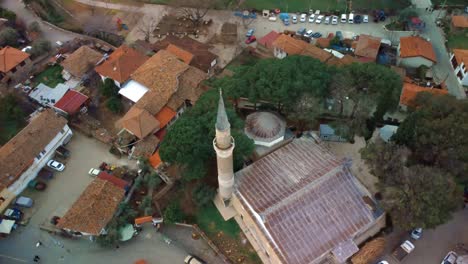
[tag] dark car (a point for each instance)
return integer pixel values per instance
(62, 151)
(358, 19)
(316, 35)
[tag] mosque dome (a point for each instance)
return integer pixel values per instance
(265, 128)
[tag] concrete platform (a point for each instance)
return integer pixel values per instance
(226, 212)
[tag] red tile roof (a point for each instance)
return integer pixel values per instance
(289, 44)
(368, 47)
(416, 47)
(71, 102)
(461, 56)
(460, 21)
(268, 39)
(121, 64)
(165, 116)
(180, 53)
(308, 200)
(155, 160)
(410, 91)
(10, 58)
(112, 179)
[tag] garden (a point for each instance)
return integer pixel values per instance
(50, 76)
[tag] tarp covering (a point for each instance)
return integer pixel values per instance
(126, 232)
(6, 226)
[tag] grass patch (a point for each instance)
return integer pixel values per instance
(305, 5)
(50, 76)
(458, 40)
(210, 221)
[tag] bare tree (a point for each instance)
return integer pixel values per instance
(147, 27)
(194, 10)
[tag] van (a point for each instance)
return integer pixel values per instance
(343, 18)
(351, 18)
(193, 260)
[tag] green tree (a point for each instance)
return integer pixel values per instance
(173, 213)
(40, 47)
(10, 15)
(153, 180)
(189, 141)
(203, 194)
(112, 238)
(114, 104)
(8, 37)
(34, 27)
(145, 205)
(109, 89)
(406, 15)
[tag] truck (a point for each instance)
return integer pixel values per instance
(403, 250)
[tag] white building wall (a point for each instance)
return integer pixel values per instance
(280, 54)
(19, 185)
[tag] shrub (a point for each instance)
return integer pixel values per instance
(10, 15)
(109, 89)
(202, 195)
(114, 105)
(40, 47)
(8, 37)
(173, 213)
(34, 27)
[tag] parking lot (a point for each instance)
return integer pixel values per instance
(59, 195)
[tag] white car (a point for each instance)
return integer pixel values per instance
(334, 20)
(272, 18)
(26, 49)
(311, 18)
(308, 34)
(383, 262)
(319, 19)
(327, 20)
(294, 19)
(317, 12)
(344, 18)
(451, 258)
(416, 233)
(53, 164)
(303, 18)
(365, 19)
(94, 172)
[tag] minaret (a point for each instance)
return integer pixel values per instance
(224, 145)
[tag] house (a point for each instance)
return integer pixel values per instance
(327, 133)
(139, 122)
(266, 42)
(316, 53)
(367, 48)
(342, 61)
(410, 91)
(47, 96)
(92, 211)
(459, 23)
(80, 62)
(285, 45)
(71, 102)
(202, 58)
(120, 65)
(459, 61)
(27, 153)
(298, 204)
(14, 65)
(415, 51)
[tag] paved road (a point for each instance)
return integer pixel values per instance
(48, 32)
(61, 192)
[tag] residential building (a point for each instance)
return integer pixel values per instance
(290, 203)
(367, 48)
(199, 53)
(80, 62)
(266, 42)
(410, 91)
(120, 65)
(14, 65)
(48, 96)
(285, 45)
(415, 51)
(71, 102)
(459, 61)
(27, 153)
(459, 23)
(328, 133)
(92, 211)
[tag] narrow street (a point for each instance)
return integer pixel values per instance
(27, 16)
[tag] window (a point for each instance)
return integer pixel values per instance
(13, 70)
(22, 63)
(62, 131)
(43, 152)
(39, 156)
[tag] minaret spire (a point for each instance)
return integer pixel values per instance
(222, 122)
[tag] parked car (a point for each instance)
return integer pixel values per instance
(193, 260)
(451, 258)
(300, 31)
(311, 18)
(294, 19)
(344, 18)
(26, 49)
(249, 32)
(316, 35)
(94, 172)
(383, 262)
(53, 164)
(334, 20)
(317, 12)
(286, 21)
(303, 18)
(45, 174)
(365, 18)
(319, 19)
(351, 18)
(24, 201)
(416, 233)
(250, 39)
(62, 151)
(13, 214)
(308, 34)
(358, 19)
(403, 250)
(272, 18)
(327, 20)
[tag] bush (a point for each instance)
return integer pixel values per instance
(114, 105)
(111, 239)
(8, 37)
(40, 47)
(173, 213)
(7, 14)
(109, 89)
(34, 27)
(153, 180)
(202, 195)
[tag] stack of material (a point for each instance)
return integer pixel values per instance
(370, 251)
